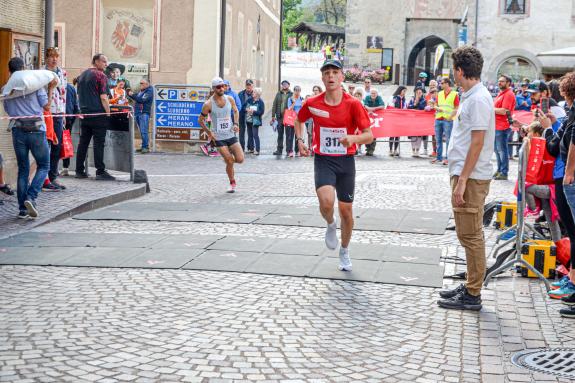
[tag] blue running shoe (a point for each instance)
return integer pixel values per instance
(564, 291)
(560, 283)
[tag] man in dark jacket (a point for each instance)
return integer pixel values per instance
(72, 107)
(143, 104)
(278, 108)
(244, 96)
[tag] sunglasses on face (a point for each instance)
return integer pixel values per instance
(220, 86)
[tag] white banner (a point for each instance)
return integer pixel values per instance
(438, 53)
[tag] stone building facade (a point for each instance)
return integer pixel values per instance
(179, 39)
(509, 33)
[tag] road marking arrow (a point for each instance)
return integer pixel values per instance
(409, 279)
(161, 107)
(161, 93)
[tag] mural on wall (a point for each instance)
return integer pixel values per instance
(29, 51)
(127, 33)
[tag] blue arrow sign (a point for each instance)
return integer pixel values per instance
(177, 121)
(179, 107)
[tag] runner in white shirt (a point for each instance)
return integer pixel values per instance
(222, 130)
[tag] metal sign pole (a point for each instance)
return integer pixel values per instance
(520, 227)
(131, 138)
(154, 123)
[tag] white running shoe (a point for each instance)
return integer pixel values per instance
(344, 260)
(331, 235)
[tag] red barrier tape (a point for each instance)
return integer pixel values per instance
(67, 115)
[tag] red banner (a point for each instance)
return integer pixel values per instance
(523, 117)
(402, 122)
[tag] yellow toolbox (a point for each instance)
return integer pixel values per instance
(542, 255)
(505, 215)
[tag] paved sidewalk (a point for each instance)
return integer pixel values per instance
(63, 324)
(80, 196)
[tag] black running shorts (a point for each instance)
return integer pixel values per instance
(337, 171)
(229, 142)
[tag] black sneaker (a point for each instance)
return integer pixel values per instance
(277, 153)
(23, 214)
(462, 301)
(569, 300)
(50, 187)
(58, 185)
(105, 176)
(6, 189)
(81, 175)
(568, 313)
(31, 208)
(447, 294)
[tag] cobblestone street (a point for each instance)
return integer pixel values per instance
(61, 324)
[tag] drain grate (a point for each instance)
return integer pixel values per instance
(556, 361)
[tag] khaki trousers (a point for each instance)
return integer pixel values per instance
(469, 229)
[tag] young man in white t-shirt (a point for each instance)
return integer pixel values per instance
(470, 150)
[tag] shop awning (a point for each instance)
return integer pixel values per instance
(558, 61)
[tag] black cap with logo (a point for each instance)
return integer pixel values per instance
(331, 63)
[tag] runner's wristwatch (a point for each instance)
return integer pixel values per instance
(299, 139)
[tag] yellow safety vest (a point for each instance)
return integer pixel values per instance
(447, 104)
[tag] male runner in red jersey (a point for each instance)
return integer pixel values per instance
(336, 117)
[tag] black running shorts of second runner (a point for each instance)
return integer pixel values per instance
(229, 142)
(336, 171)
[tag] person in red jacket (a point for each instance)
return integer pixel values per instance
(504, 105)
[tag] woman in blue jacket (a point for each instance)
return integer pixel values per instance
(254, 111)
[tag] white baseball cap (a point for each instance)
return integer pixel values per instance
(217, 81)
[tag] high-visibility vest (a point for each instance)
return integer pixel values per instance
(447, 104)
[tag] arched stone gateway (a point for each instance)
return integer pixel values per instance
(517, 63)
(422, 56)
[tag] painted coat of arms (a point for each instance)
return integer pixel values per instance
(129, 31)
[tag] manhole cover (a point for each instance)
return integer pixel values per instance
(557, 361)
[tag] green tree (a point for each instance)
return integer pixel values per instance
(332, 11)
(292, 14)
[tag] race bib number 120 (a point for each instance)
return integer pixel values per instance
(329, 140)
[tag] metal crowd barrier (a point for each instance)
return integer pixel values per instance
(519, 229)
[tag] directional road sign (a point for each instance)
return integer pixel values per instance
(177, 109)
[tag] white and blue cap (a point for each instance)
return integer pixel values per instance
(216, 81)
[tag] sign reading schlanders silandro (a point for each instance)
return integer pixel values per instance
(178, 108)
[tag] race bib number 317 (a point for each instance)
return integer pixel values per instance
(329, 140)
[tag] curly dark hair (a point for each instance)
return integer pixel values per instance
(469, 60)
(567, 85)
